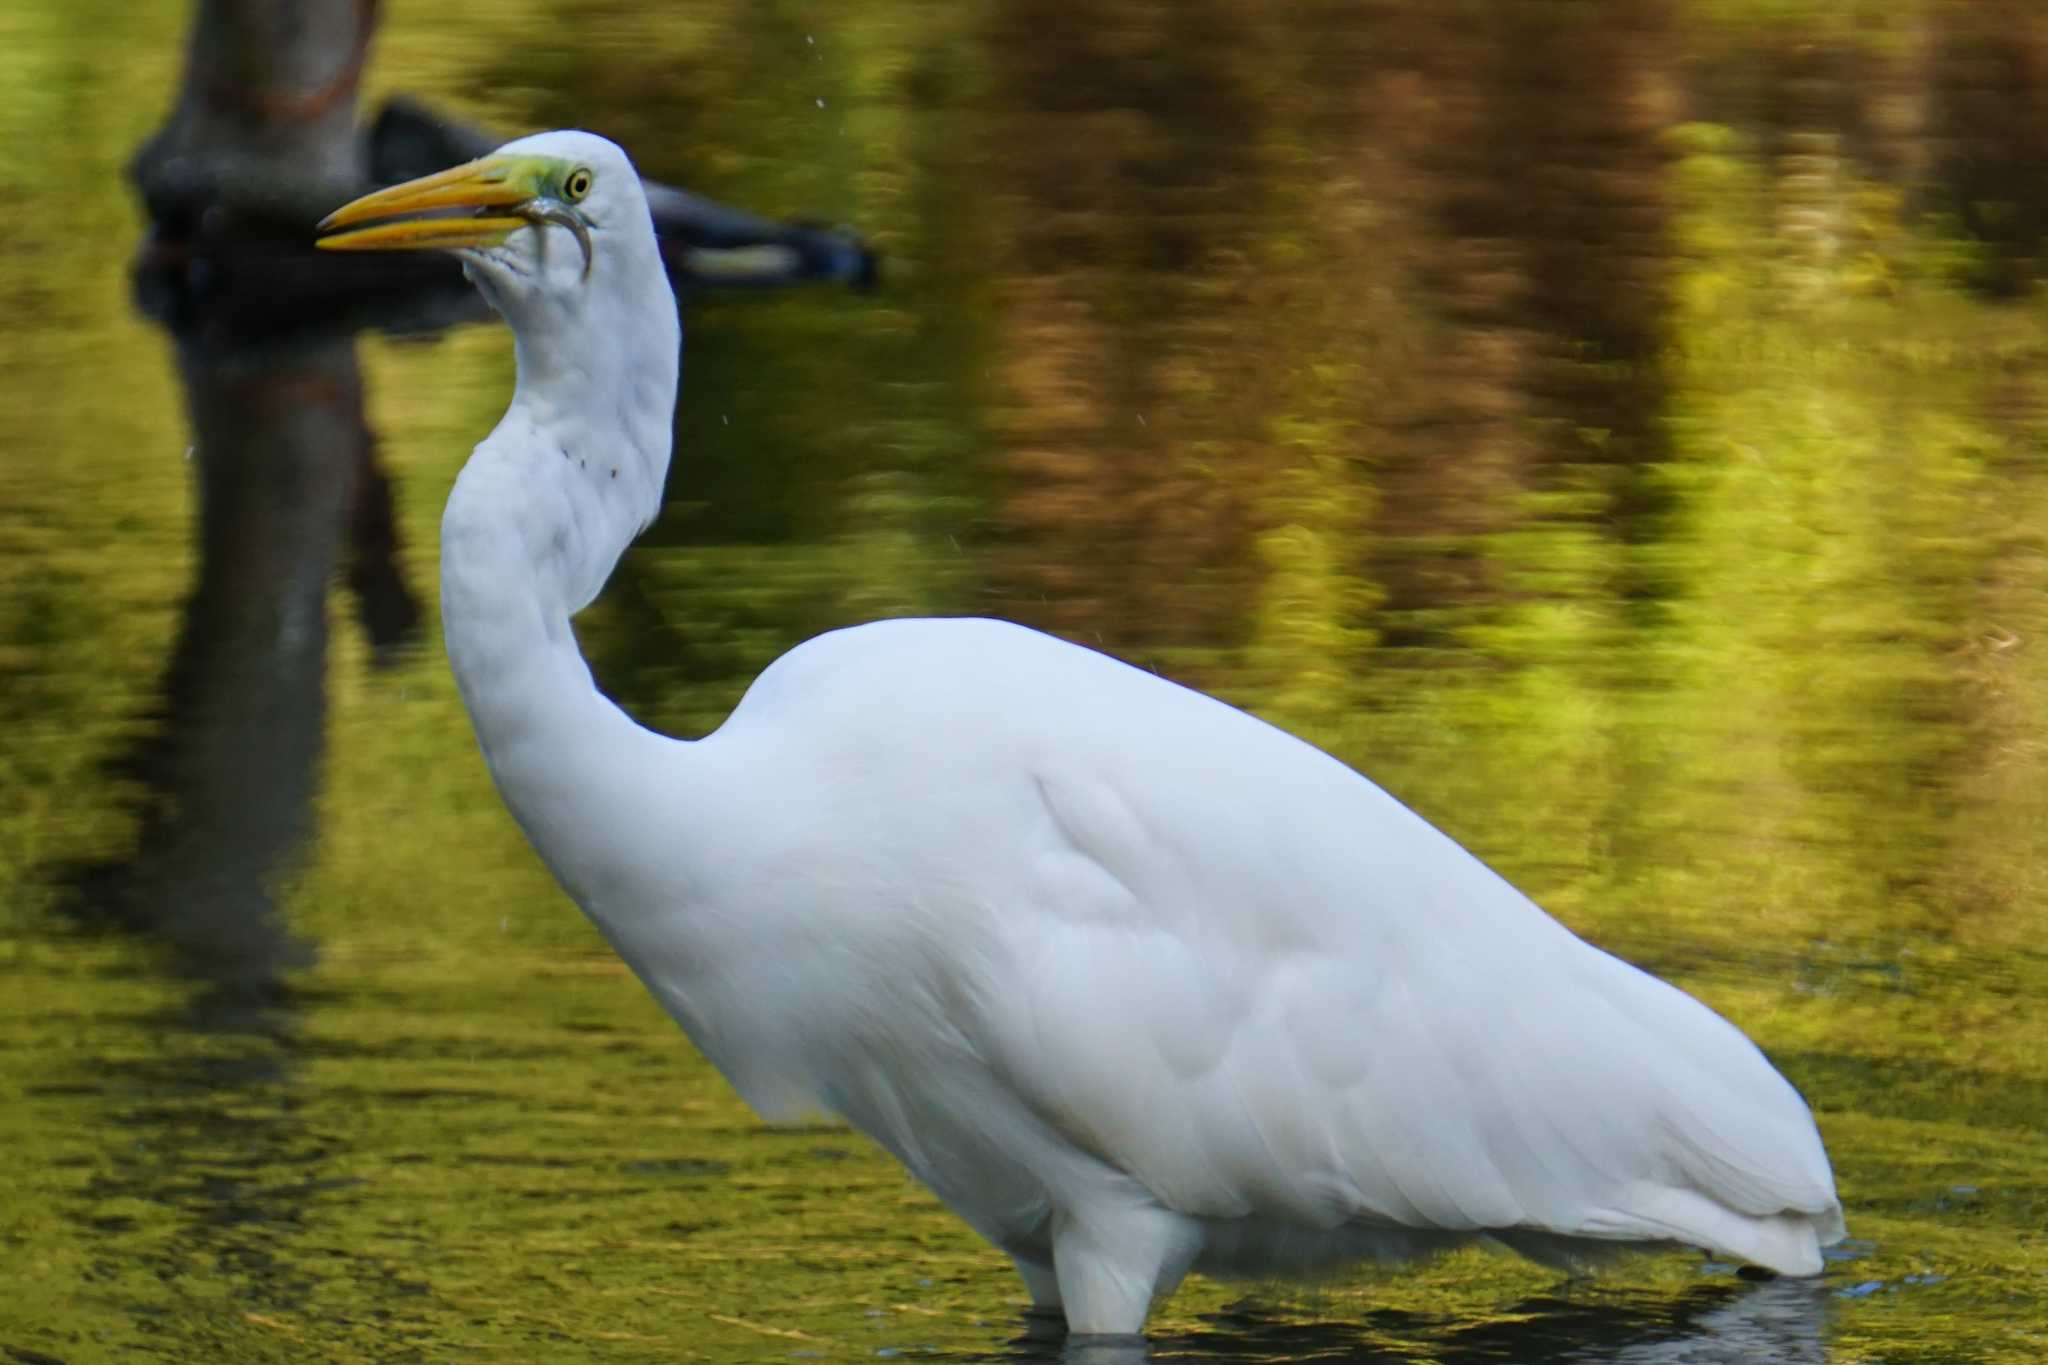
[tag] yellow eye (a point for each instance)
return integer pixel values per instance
(577, 185)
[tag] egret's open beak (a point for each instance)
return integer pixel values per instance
(478, 204)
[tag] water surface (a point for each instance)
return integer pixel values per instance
(1618, 428)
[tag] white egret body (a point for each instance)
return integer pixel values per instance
(1134, 982)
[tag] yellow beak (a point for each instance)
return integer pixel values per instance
(462, 206)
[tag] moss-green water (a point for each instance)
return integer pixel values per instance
(1639, 473)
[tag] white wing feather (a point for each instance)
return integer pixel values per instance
(1043, 908)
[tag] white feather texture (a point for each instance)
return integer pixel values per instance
(1136, 983)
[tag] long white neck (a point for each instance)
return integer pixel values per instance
(535, 525)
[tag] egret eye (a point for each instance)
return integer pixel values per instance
(577, 185)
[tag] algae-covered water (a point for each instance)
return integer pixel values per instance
(1620, 429)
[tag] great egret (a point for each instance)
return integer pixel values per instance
(1134, 982)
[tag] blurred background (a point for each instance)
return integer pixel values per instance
(1620, 429)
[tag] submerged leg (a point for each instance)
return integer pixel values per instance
(1112, 1261)
(1039, 1282)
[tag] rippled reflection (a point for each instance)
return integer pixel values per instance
(1618, 428)
(1779, 1323)
(289, 498)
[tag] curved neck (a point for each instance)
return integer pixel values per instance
(555, 745)
(536, 522)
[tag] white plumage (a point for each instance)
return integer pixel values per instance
(1136, 983)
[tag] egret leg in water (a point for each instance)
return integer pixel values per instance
(1134, 982)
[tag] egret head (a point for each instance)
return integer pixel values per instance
(548, 217)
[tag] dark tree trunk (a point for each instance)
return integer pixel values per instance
(263, 138)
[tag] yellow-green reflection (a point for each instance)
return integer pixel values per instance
(1615, 427)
